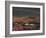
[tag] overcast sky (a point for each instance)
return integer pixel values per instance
(22, 11)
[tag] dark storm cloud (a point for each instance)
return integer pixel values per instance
(21, 11)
